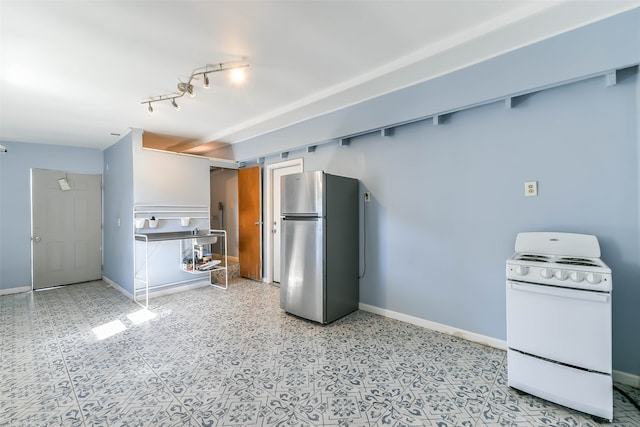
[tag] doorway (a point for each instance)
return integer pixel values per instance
(275, 172)
(66, 228)
(224, 206)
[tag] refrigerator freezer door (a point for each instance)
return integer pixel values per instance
(302, 270)
(302, 194)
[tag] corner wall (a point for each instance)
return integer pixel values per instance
(138, 176)
(118, 208)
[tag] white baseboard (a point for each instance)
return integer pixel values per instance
(17, 290)
(460, 333)
(618, 376)
(626, 378)
(117, 287)
(176, 289)
(157, 292)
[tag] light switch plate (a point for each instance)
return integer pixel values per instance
(531, 188)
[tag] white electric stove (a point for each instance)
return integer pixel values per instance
(559, 321)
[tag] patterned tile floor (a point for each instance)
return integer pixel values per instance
(233, 358)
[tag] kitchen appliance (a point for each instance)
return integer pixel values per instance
(559, 321)
(319, 249)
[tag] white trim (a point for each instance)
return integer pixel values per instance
(117, 287)
(156, 293)
(223, 163)
(460, 333)
(626, 378)
(618, 376)
(17, 290)
(177, 289)
(268, 276)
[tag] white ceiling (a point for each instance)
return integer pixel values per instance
(73, 72)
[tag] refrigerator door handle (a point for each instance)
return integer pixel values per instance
(301, 218)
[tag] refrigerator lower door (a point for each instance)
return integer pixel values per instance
(302, 271)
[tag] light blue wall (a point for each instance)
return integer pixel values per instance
(118, 203)
(448, 200)
(603, 46)
(15, 200)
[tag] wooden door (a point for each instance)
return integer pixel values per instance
(250, 222)
(67, 228)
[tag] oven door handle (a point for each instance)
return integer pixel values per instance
(561, 292)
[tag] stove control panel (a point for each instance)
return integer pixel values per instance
(579, 279)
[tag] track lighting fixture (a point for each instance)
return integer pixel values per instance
(187, 87)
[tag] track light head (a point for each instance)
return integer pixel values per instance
(206, 81)
(175, 104)
(186, 87)
(150, 108)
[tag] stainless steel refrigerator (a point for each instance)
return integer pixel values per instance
(320, 246)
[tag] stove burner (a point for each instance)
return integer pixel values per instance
(568, 258)
(532, 257)
(577, 261)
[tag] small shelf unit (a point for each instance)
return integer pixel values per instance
(195, 253)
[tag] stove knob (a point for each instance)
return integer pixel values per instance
(522, 270)
(546, 273)
(577, 276)
(561, 275)
(594, 278)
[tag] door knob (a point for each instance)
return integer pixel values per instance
(37, 238)
(258, 223)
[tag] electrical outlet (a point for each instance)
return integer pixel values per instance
(367, 196)
(531, 188)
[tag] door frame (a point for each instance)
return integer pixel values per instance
(268, 274)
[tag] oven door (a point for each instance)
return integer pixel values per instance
(565, 325)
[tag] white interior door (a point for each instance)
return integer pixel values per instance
(66, 228)
(286, 169)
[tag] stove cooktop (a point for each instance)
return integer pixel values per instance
(559, 259)
(562, 260)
